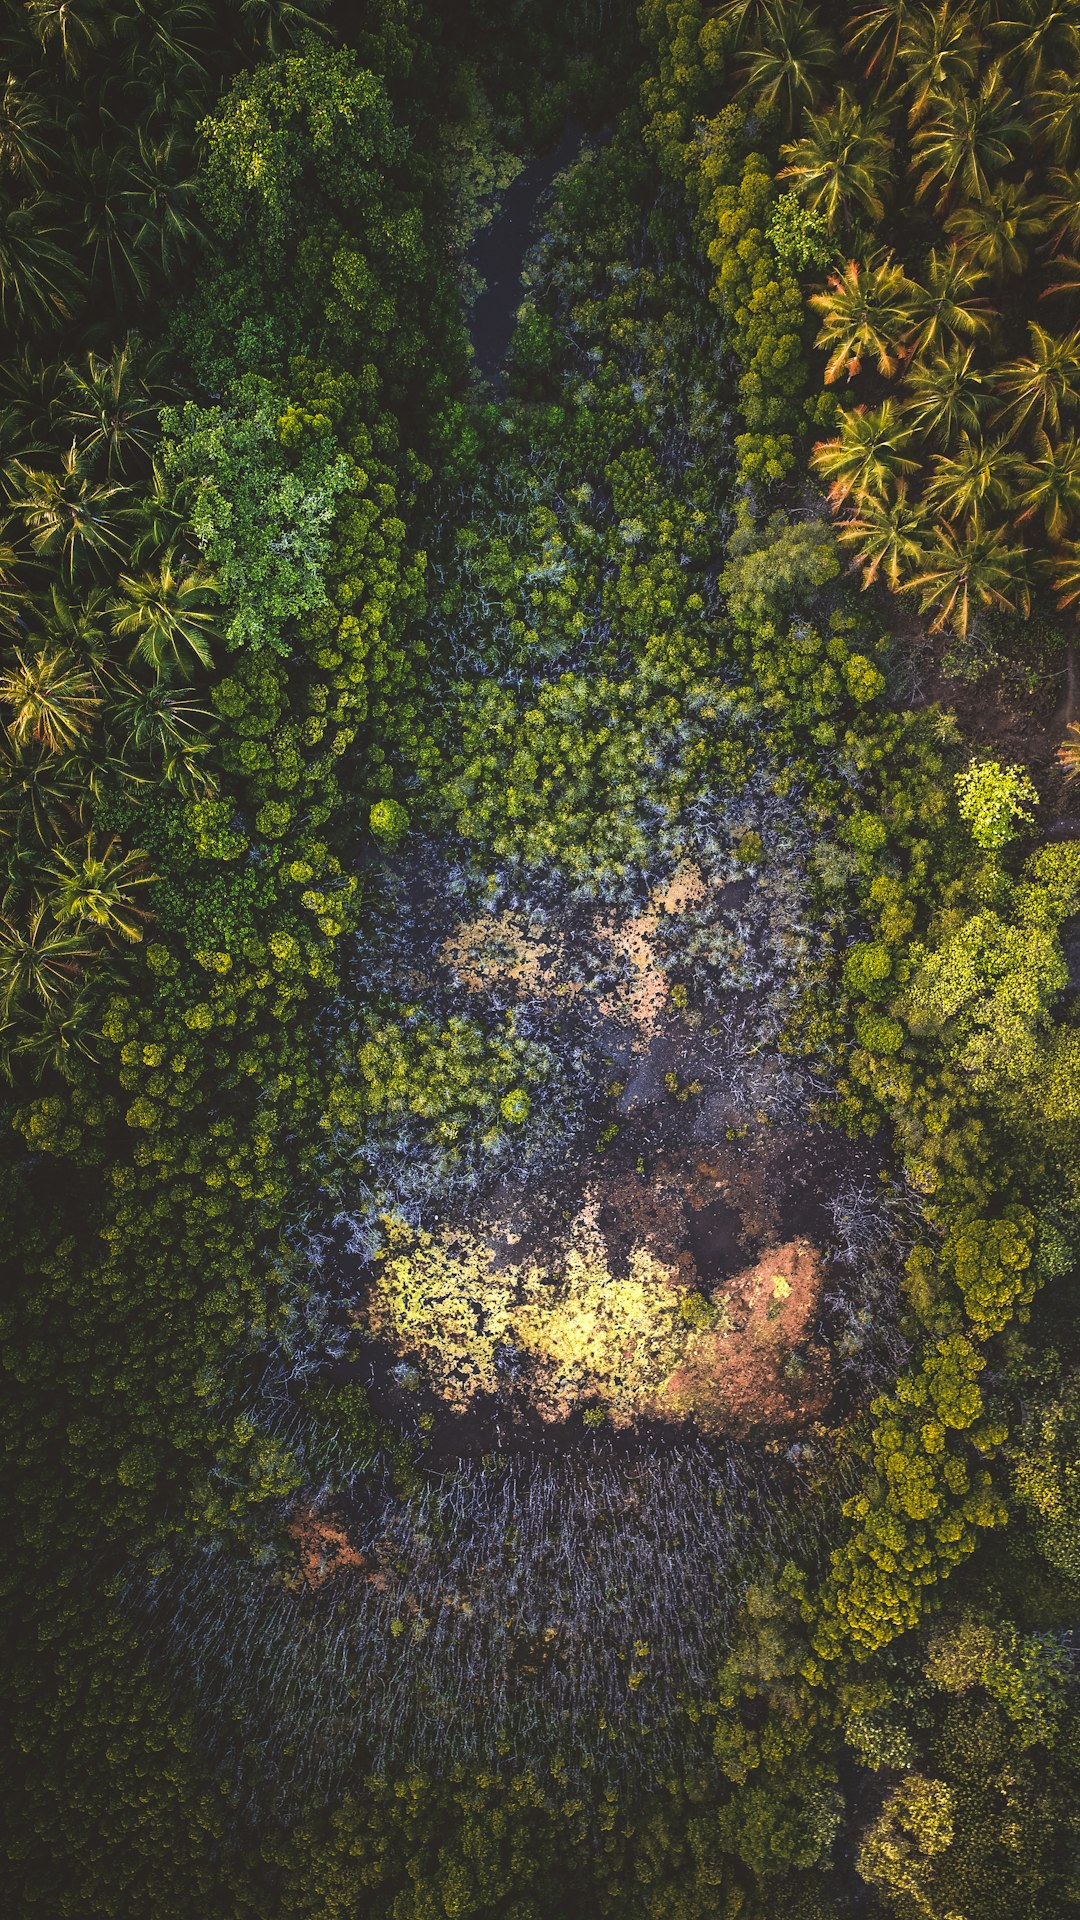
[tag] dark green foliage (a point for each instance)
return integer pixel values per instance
(336, 598)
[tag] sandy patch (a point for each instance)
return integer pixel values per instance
(524, 956)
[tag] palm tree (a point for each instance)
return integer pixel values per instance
(1068, 754)
(1067, 269)
(54, 700)
(156, 36)
(158, 725)
(865, 313)
(279, 24)
(12, 588)
(876, 33)
(962, 485)
(111, 409)
(50, 1039)
(977, 567)
(1036, 35)
(1063, 205)
(1055, 115)
(39, 960)
(71, 25)
(945, 304)
(868, 456)
(38, 277)
(842, 161)
(792, 56)
(95, 884)
(78, 626)
(1050, 484)
(170, 612)
(886, 533)
(740, 14)
(939, 49)
(110, 224)
(945, 396)
(970, 138)
(27, 135)
(996, 231)
(1065, 573)
(31, 391)
(162, 515)
(1043, 383)
(38, 791)
(69, 515)
(161, 199)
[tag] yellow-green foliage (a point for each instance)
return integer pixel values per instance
(1024, 1674)
(994, 801)
(587, 1331)
(921, 1511)
(985, 991)
(914, 1825)
(761, 297)
(446, 1076)
(990, 1261)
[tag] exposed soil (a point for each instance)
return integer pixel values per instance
(765, 1369)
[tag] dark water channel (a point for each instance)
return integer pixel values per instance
(498, 252)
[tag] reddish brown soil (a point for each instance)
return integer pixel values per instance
(324, 1548)
(766, 1369)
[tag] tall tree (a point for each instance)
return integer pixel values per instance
(973, 480)
(964, 570)
(41, 794)
(869, 454)
(28, 135)
(1036, 36)
(791, 58)
(1044, 383)
(945, 395)
(68, 27)
(96, 884)
(969, 138)
(53, 700)
(40, 960)
(111, 409)
(69, 515)
(169, 612)
(865, 315)
(843, 161)
(1055, 115)
(939, 51)
(1065, 573)
(887, 535)
(945, 302)
(1049, 484)
(875, 34)
(39, 278)
(162, 727)
(997, 230)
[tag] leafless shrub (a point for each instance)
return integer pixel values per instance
(874, 1225)
(539, 1610)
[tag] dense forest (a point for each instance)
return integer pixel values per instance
(540, 959)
